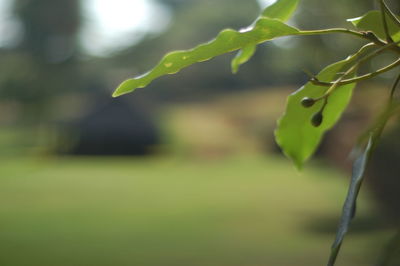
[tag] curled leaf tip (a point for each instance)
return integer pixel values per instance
(116, 94)
(242, 57)
(128, 86)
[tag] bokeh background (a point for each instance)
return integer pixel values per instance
(186, 171)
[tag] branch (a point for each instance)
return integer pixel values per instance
(384, 22)
(396, 63)
(363, 35)
(341, 81)
(394, 87)
(390, 12)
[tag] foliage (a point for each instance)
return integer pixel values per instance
(317, 106)
(42, 64)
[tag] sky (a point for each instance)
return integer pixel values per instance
(109, 25)
(9, 26)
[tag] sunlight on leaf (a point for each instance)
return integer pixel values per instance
(227, 41)
(372, 21)
(295, 133)
(282, 10)
(267, 27)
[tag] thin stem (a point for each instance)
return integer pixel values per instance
(390, 13)
(394, 87)
(384, 22)
(359, 78)
(365, 35)
(308, 73)
(363, 48)
(390, 109)
(352, 69)
(338, 82)
(362, 35)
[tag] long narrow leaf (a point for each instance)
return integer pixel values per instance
(349, 206)
(359, 166)
(268, 26)
(227, 41)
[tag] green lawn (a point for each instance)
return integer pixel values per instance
(237, 211)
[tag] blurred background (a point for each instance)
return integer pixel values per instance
(186, 171)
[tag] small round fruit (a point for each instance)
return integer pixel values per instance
(317, 119)
(307, 102)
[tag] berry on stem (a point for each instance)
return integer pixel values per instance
(307, 102)
(317, 119)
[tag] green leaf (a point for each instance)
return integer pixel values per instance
(227, 41)
(282, 9)
(242, 57)
(372, 21)
(295, 133)
(359, 166)
(349, 206)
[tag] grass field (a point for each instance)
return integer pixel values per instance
(237, 211)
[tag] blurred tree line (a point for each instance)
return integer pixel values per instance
(47, 61)
(44, 63)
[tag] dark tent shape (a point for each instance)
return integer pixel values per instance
(115, 127)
